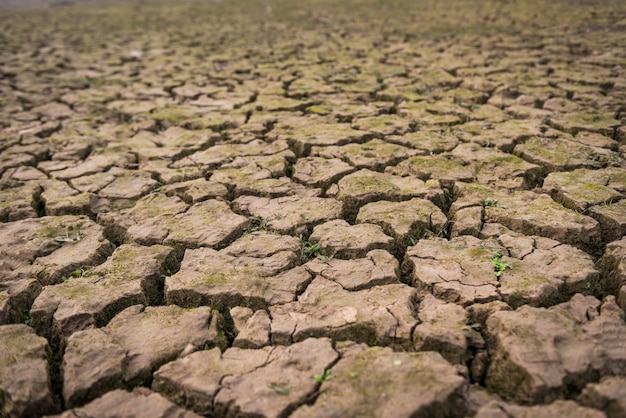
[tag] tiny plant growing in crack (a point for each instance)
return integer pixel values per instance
(322, 378)
(309, 249)
(498, 265)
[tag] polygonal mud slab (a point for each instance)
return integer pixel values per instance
(198, 190)
(526, 212)
(127, 188)
(19, 202)
(97, 163)
(560, 154)
(378, 267)
(132, 275)
(504, 135)
(613, 268)
(217, 155)
(494, 167)
(254, 180)
(132, 346)
(16, 298)
(320, 172)
(209, 277)
(291, 214)
(499, 409)
(378, 382)
(157, 219)
(582, 188)
(573, 123)
(58, 198)
(270, 382)
(341, 240)
(284, 382)
(468, 270)
(252, 329)
(538, 355)
(374, 155)
(306, 133)
(50, 248)
(380, 315)
(444, 328)
(24, 379)
(383, 125)
(612, 219)
(405, 221)
(608, 395)
(173, 143)
(141, 402)
(365, 186)
(425, 142)
(444, 168)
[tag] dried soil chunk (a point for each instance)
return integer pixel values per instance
(612, 219)
(142, 222)
(252, 328)
(18, 203)
(558, 154)
(306, 133)
(217, 155)
(157, 219)
(197, 190)
(613, 267)
(132, 275)
(505, 136)
(544, 271)
(96, 163)
(426, 142)
(538, 214)
(131, 347)
(256, 181)
(379, 315)
(499, 409)
(538, 355)
(378, 267)
(378, 382)
(494, 167)
(459, 270)
(443, 328)
(209, 277)
(608, 395)
(320, 172)
(129, 187)
(410, 219)
(580, 189)
(346, 241)
(374, 155)
(281, 385)
(50, 247)
(447, 170)
(24, 380)
(139, 403)
(290, 214)
(194, 380)
(210, 223)
(16, 298)
(383, 125)
(365, 186)
(572, 123)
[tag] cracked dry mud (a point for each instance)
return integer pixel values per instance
(322, 209)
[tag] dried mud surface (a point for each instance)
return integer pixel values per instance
(362, 208)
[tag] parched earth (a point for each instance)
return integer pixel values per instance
(322, 209)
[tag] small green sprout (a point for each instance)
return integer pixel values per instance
(309, 249)
(490, 201)
(323, 378)
(278, 388)
(498, 265)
